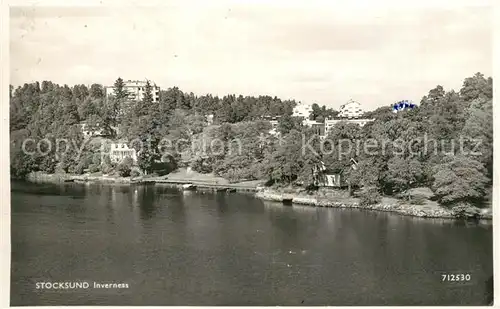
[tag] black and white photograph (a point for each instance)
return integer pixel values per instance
(250, 153)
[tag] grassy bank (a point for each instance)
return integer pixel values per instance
(180, 176)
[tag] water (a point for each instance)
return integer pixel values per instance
(175, 248)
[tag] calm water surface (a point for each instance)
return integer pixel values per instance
(175, 248)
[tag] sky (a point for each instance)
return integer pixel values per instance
(325, 54)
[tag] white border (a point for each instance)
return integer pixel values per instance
(366, 4)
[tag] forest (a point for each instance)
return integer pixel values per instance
(451, 121)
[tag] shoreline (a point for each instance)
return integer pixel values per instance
(174, 182)
(403, 209)
(267, 194)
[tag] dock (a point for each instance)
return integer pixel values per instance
(198, 185)
(207, 186)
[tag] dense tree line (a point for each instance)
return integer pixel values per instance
(445, 144)
(427, 146)
(321, 113)
(50, 111)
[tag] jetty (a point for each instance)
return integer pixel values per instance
(210, 184)
(207, 186)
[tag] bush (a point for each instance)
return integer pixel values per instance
(202, 165)
(418, 200)
(94, 168)
(465, 211)
(370, 196)
(135, 173)
(107, 168)
(125, 167)
(79, 169)
(164, 168)
(123, 170)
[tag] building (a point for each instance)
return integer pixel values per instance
(331, 180)
(309, 123)
(136, 89)
(302, 110)
(351, 109)
(210, 119)
(324, 177)
(89, 131)
(319, 127)
(350, 112)
(330, 123)
(274, 127)
(120, 151)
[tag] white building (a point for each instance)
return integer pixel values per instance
(349, 112)
(210, 119)
(330, 123)
(274, 127)
(351, 109)
(309, 123)
(120, 151)
(89, 132)
(302, 110)
(136, 89)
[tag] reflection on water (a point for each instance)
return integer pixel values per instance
(193, 248)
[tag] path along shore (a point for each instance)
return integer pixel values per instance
(321, 199)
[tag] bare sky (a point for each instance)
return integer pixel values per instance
(326, 55)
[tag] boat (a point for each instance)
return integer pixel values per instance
(188, 187)
(287, 200)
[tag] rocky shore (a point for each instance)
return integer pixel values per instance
(327, 198)
(421, 211)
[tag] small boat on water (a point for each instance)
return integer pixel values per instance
(287, 201)
(188, 187)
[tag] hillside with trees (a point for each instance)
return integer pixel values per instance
(443, 133)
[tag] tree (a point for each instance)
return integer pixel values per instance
(70, 112)
(21, 163)
(288, 123)
(315, 112)
(170, 99)
(404, 173)
(319, 114)
(477, 87)
(80, 92)
(283, 164)
(97, 91)
(459, 179)
(478, 131)
(147, 132)
(366, 173)
(225, 110)
(147, 106)
(381, 114)
(120, 91)
(125, 167)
